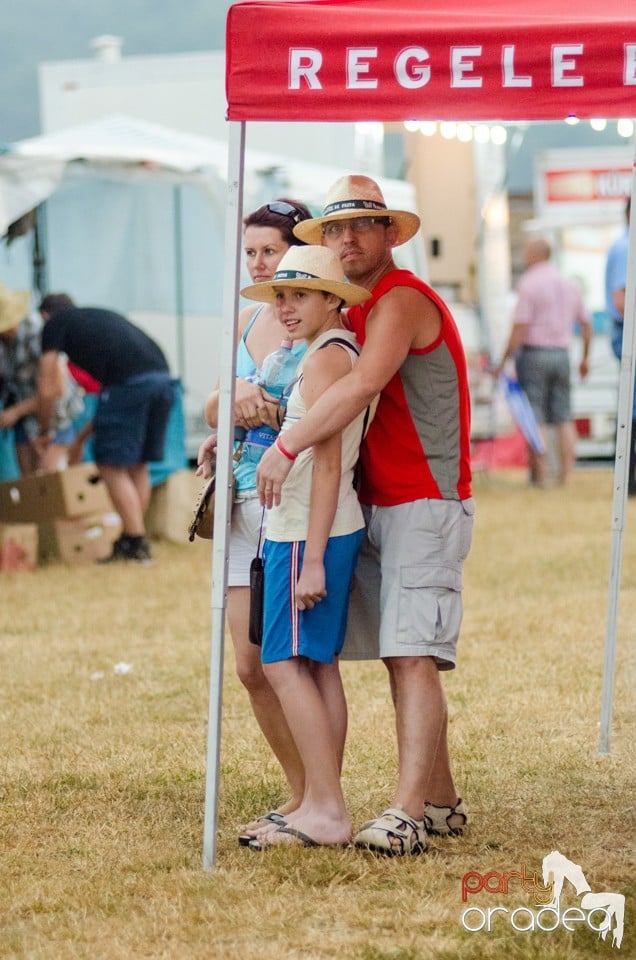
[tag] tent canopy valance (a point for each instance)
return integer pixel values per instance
(356, 60)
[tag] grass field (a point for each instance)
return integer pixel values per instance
(102, 774)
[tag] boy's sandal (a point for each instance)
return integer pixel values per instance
(272, 817)
(299, 839)
(437, 819)
(394, 834)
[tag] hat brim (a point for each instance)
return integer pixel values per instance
(406, 223)
(351, 293)
(14, 306)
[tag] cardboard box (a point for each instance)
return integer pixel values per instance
(18, 546)
(75, 492)
(78, 540)
(172, 506)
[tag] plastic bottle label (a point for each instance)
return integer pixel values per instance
(261, 436)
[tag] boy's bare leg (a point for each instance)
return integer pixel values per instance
(265, 704)
(322, 815)
(329, 681)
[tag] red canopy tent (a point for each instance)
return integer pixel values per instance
(387, 60)
(430, 59)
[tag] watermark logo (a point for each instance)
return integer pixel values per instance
(600, 912)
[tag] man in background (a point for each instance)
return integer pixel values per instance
(549, 304)
(133, 408)
(615, 285)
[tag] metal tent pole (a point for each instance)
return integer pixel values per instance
(178, 279)
(223, 502)
(621, 474)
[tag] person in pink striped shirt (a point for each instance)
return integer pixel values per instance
(548, 306)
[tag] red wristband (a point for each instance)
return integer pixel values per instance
(285, 453)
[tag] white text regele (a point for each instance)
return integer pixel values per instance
(412, 67)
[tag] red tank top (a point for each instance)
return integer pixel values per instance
(418, 444)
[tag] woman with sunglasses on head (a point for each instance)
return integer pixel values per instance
(267, 235)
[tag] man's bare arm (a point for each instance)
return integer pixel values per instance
(49, 388)
(586, 339)
(402, 318)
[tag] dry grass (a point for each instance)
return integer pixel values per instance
(102, 785)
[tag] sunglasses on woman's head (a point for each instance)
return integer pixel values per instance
(286, 210)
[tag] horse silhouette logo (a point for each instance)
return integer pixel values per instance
(557, 869)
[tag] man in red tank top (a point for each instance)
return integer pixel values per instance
(415, 488)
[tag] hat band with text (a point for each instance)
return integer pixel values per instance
(341, 205)
(294, 275)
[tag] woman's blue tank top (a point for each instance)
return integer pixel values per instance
(245, 469)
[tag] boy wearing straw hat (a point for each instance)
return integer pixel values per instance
(311, 547)
(416, 492)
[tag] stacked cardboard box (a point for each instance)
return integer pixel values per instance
(72, 509)
(78, 540)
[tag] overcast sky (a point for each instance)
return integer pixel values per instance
(37, 31)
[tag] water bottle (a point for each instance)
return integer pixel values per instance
(240, 433)
(278, 369)
(277, 372)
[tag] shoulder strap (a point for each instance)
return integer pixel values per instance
(260, 533)
(250, 322)
(343, 343)
(352, 346)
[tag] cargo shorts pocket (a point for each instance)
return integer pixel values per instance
(466, 528)
(430, 607)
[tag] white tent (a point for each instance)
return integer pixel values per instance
(117, 147)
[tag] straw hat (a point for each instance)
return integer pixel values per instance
(313, 268)
(14, 306)
(357, 196)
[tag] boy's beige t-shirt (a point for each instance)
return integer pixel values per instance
(289, 521)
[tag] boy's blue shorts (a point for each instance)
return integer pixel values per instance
(319, 633)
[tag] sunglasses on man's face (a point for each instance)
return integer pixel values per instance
(356, 224)
(284, 209)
